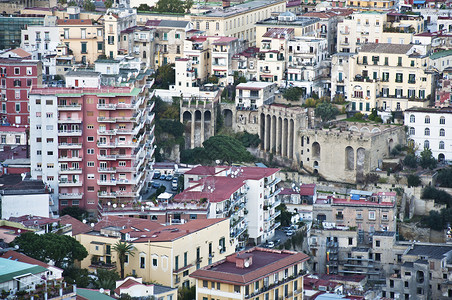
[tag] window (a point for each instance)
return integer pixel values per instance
(154, 262)
(427, 120)
(205, 283)
(364, 60)
(90, 176)
(29, 82)
(38, 140)
(16, 71)
(90, 139)
(427, 131)
(90, 164)
(377, 243)
(411, 78)
(185, 259)
(442, 120)
(90, 151)
(90, 189)
(17, 106)
(142, 262)
(441, 145)
(49, 115)
(371, 215)
(442, 132)
(399, 77)
(207, 25)
(378, 256)
(49, 152)
(386, 61)
(412, 131)
(38, 152)
(217, 26)
(50, 166)
(49, 140)
(399, 61)
(350, 241)
(426, 144)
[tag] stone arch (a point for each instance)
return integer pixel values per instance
(353, 128)
(198, 115)
(316, 164)
(441, 157)
(390, 145)
(365, 129)
(376, 130)
(227, 115)
(207, 116)
(186, 116)
(349, 158)
(316, 150)
(360, 158)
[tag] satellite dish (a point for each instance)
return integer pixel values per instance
(92, 224)
(217, 161)
(247, 264)
(101, 290)
(84, 221)
(114, 205)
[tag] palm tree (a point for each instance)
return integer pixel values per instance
(123, 249)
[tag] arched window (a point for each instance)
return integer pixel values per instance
(426, 144)
(441, 145)
(427, 131)
(412, 131)
(442, 132)
(427, 119)
(442, 120)
(412, 119)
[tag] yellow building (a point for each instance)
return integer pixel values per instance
(83, 37)
(258, 273)
(233, 21)
(377, 5)
(164, 254)
(389, 77)
(377, 27)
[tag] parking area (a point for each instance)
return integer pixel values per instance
(153, 187)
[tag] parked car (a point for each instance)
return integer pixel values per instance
(162, 177)
(156, 175)
(156, 185)
(270, 244)
(169, 177)
(277, 241)
(285, 229)
(289, 233)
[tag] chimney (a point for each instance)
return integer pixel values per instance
(226, 4)
(244, 260)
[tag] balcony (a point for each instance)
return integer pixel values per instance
(272, 183)
(276, 192)
(70, 121)
(69, 146)
(69, 132)
(102, 265)
(70, 107)
(69, 196)
(70, 183)
(106, 132)
(107, 157)
(71, 171)
(275, 285)
(106, 106)
(273, 227)
(106, 182)
(69, 159)
(106, 195)
(106, 119)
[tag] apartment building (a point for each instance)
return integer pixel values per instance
(248, 98)
(83, 37)
(245, 63)
(389, 77)
(299, 201)
(256, 272)
(428, 128)
(271, 59)
(137, 41)
(11, 26)
(115, 21)
(91, 144)
(169, 40)
(41, 40)
(379, 5)
(327, 27)
(377, 27)
(238, 20)
(261, 192)
(223, 49)
(166, 255)
(424, 273)
(199, 50)
(17, 75)
(341, 64)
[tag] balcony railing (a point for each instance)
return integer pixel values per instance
(276, 284)
(69, 132)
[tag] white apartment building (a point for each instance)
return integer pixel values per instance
(252, 95)
(41, 40)
(430, 128)
(377, 27)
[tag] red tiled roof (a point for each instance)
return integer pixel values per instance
(265, 262)
(321, 15)
(74, 22)
(278, 32)
(77, 226)
(343, 278)
(117, 221)
(360, 202)
(13, 255)
(128, 283)
(224, 40)
(202, 170)
(153, 22)
(307, 189)
(174, 232)
(21, 53)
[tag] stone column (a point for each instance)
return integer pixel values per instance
(284, 138)
(290, 141)
(202, 126)
(192, 133)
(278, 136)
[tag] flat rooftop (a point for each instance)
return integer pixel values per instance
(9, 269)
(239, 8)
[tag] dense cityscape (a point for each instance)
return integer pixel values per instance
(215, 150)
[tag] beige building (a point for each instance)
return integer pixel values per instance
(389, 77)
(377, 27)
(164, 254)
(378, 5)
(138, 41)
(83, 37)
(257, 272)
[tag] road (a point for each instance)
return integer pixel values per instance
(151, 191)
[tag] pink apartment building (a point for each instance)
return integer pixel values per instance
(93, 145)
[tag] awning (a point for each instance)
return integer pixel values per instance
(418, 1)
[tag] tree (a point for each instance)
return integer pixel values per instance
(413, 180)
(310, 102)
(439, 196)
(292, 94)
(165, 76)
(410, 161)
(248, 139)
(75, 212)
(285, 217)
(187, 5)
(170, 6)
(123, 249)
(144, 7)
(77, 276)
(213, 79)
(63, 250)
(226, 149)
(106, 279)
(326, 111)
(444, 177)
(427, 160)
(371, 178)
(72, 3)
(185, 293)
(108, 3)
(88, 5)
(193, 156)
